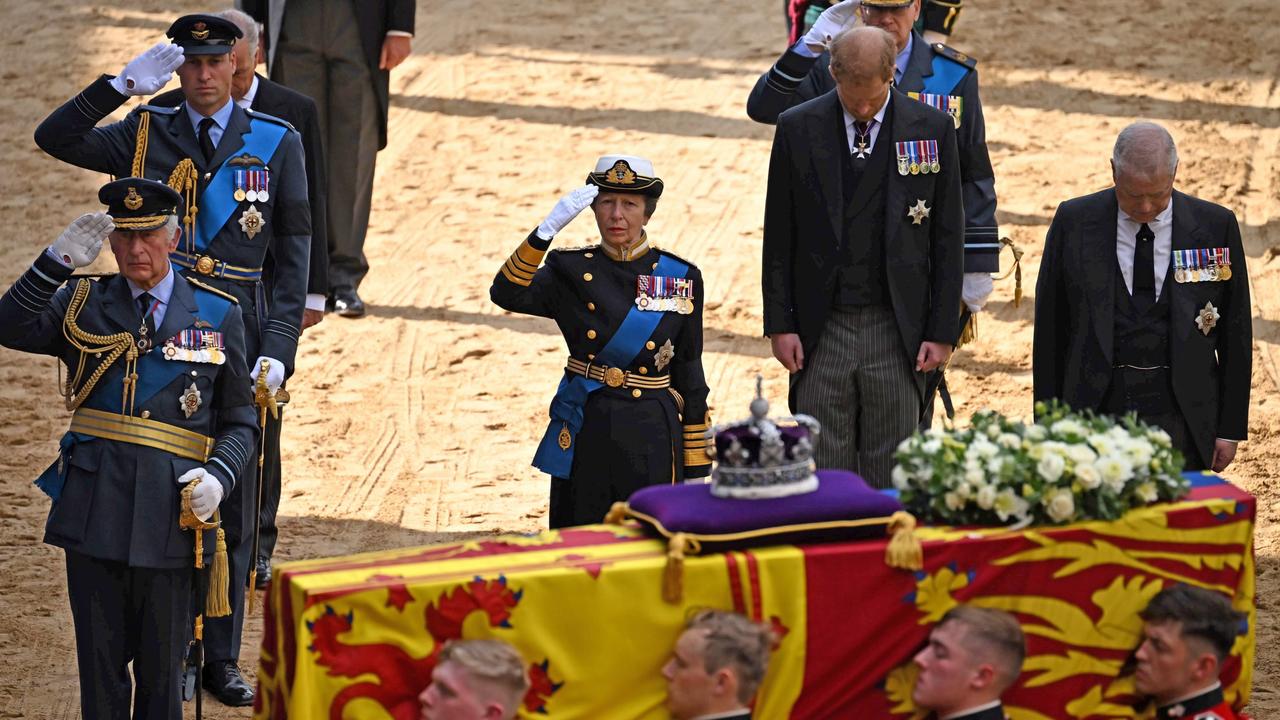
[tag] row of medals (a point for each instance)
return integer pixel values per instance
(681, 305)
(1213, 273)
(907, 167)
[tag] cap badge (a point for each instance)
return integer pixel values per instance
(199, 31)
(621, 174)
(133, 200)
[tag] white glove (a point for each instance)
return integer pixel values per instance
(150, 71)
(566, 210)
(207, 495)
(838, 17)
(275, 374)
(977, 288)
(81, 242)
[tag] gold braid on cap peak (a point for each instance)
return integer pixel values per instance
(138, 222)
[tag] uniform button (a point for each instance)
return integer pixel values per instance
(195, 374)
(207, 176)
(591, 306)
(586, 276)
(649, 345)
(146, 414)
(589, 255)
(591, 334)
(591, 356)
(655, 266)
(644, 370)
(635, 393)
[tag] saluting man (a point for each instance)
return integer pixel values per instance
(244, 181)
(133, 443)
(631, 409)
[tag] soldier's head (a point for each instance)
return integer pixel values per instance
(1187, 633)
(145, 213)
(475, 680)
(718, 663)
(895, 17)
(629, 193)
(207, 42)
(245, 51)
(862, 66)
(974, 654)
(1144, 163)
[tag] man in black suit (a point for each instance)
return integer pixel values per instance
(1142, 305)
(863, 239)
(973, 655)
(716, 666)
(341, 53)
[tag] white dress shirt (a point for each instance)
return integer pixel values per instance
(161, 294)
(247, 101)
(874, 130)
(220, 119)
(1161, 250)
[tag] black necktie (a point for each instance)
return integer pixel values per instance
(1144, 274)
(148, 330)
(206, 142)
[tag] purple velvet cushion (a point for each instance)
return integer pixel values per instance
(829, 512)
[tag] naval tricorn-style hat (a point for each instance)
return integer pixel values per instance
(204, 34)
(626, 174)
(139, 204)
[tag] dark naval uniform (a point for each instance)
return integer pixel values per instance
(647, 421)
(228, 248)
(115, 500)
(936, 75)
(1209, 705)
(995, 712)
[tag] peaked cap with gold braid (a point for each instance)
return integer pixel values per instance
(136, 203)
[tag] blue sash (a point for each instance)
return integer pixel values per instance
(217, 201)
(154, 373)
(947, 74)
(571, 396)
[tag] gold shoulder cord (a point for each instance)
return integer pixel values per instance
(114, 345)
(140, 146)
(185, 179)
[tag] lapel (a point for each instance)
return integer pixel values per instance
(184, 136)
(265, 99)
(919, 64)
(1096, 261)
(1186, 234)
(232, 137)
(181, 311)
(118, 305)
(907, 124)
(828, 145)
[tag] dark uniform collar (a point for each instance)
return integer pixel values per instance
(993, 712)
(1188, 707)
(637, 250)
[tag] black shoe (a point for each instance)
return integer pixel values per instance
(264, 574)
(347, 303)
(223, 680)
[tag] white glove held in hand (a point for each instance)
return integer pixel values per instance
(566, 210)
(81, 242)
(150, 71)
(977, 288)
(829, 24)
(207, 495)
(275, 375)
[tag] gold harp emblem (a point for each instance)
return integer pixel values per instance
(133, 200)
(199, 31)
(621, 174)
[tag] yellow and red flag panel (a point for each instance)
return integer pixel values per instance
(358, 636)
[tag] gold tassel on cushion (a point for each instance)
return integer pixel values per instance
(217, 602)
(673, 576)
(617, 514)
(904, 551)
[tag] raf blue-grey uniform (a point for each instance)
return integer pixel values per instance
(272, 314)
(796, 77)
(129, 565)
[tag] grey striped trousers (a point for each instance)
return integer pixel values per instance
(860, 384)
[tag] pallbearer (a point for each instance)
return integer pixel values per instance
(157, 380)
(631, 409)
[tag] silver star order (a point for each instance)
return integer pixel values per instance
(918, 212)
(1208, 318)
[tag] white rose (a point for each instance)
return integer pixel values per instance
(1118, 433)
(1146, 492)
(1088, 476)
(899, 478)
(986, 497)
(906, 445)
(1159, 437)
(1115, 471)
(1010, 441)
(1060, 505)
(1081, 454)
(1103, 444)
(953, 501)
(974, 476)
(1140, 452)
(986, 449)
(1036, 433)
(1067, 428)
(1051, 466)
(1007, 504)
(994, 465)
(931, 447)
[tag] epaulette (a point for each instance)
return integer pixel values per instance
(952, 54)
(270, 118)
(665, 251)
(214, 290)
(157, 109)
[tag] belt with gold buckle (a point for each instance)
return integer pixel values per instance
(616, 377)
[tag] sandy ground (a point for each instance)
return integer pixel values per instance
(418, 422)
